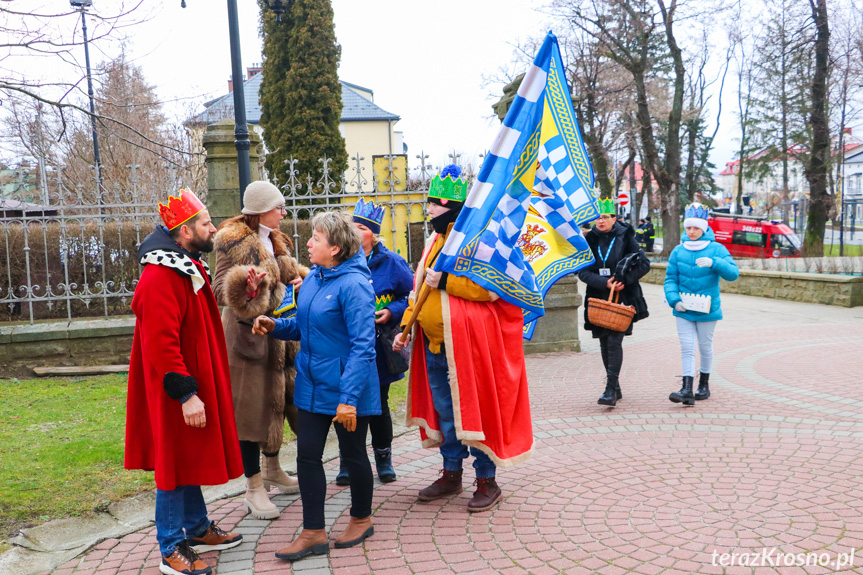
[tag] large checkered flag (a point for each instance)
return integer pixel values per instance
(537, 164)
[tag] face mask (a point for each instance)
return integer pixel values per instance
(440, 223)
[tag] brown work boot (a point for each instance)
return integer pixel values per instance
(486, 496)
(449, 483)
(357, 532)
(309, 542)
(184, 561)
(214, 539)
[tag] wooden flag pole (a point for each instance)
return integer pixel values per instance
(421, 298)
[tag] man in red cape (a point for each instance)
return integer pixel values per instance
(179, 411)
(468, 385)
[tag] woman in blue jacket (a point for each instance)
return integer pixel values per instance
(392, 282)
(336, 376)
(695, 268)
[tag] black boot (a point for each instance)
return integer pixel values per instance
(343, 478)
(384, 464)
(703, 388)
(684, 396)
(609, 396)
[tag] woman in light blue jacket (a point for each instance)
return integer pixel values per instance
(694, 269)
(336, 378)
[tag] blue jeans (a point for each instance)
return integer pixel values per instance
(454, 451)
(178, 510)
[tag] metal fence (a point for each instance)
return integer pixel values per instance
(70, 253)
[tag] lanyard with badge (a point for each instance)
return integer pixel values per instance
(604, 270)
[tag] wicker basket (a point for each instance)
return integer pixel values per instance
(609, 314)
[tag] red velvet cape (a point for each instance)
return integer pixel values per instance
(178, 330)
(487, 376)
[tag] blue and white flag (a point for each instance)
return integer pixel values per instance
(538, 165)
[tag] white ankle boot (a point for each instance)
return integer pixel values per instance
(256, 500)
(275, 476)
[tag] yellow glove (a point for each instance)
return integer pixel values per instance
(347, 416)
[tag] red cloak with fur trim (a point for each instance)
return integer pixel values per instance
(487, 378)
(178, 329)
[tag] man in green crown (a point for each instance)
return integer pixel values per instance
(454, 394)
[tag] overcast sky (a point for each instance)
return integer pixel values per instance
(424, 61)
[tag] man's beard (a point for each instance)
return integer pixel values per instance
(201, 244)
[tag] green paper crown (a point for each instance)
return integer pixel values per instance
(607, 207)
(448, 189)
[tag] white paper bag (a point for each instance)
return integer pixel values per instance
(696, 302)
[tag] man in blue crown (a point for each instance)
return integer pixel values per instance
(392, 281)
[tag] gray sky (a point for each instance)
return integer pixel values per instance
(424, 61)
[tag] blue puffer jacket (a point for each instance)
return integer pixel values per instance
(335, 326)
(683, 275)
(392, 281)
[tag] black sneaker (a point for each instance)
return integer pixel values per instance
(214, 539)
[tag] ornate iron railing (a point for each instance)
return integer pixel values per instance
(69, 253)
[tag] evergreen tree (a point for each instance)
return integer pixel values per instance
(301, 98)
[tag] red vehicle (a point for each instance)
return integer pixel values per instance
(752, 237)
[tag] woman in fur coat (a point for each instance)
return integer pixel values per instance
(254, 267)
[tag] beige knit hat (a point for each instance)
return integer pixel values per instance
(261, 197)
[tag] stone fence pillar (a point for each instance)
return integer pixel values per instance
(223, 177)
(558, 329)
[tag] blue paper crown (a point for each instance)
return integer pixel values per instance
(369, 214)
(698, 211)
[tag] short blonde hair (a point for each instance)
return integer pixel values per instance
(340, 231)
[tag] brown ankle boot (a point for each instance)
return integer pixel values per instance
(357, 532)
(487, 495)
(309, 542)
(449, 483)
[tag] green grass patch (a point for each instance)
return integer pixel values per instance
(61, 449)
(850, 250)
(398, 393)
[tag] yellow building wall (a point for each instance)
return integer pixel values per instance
(395, 226)
(366, 139)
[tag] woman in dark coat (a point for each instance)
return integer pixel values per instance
(619, 263)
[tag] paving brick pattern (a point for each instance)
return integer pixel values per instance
(772, 459)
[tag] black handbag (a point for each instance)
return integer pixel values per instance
(396, 361)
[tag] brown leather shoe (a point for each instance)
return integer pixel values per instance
(184, 561)
(309, 542)
(486, 496)
(449, 483)
(214, 539)
(357, 532)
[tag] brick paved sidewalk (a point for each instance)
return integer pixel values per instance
(772, 459)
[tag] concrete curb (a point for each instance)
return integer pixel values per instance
(46, 546)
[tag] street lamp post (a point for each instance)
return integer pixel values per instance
(82, 5)
(241, 128)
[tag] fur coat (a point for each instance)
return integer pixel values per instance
(262, 368)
